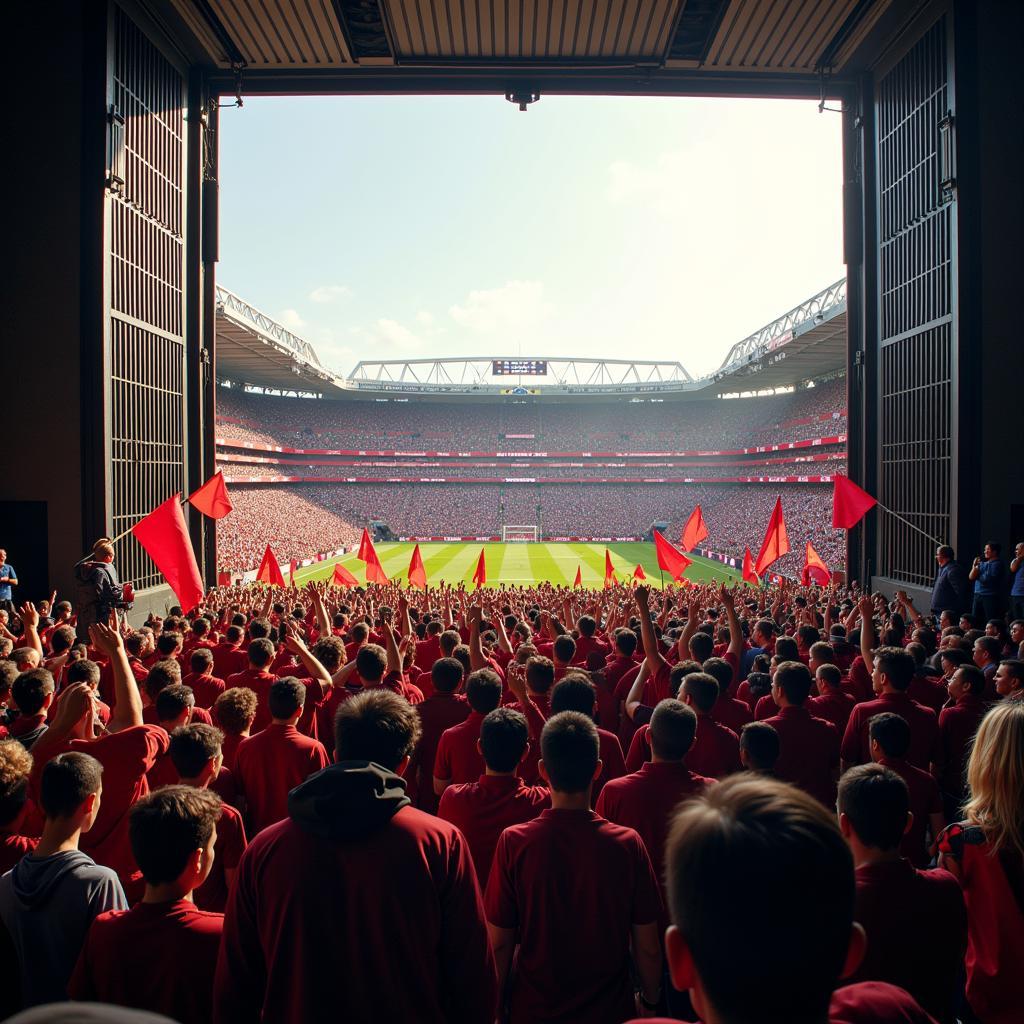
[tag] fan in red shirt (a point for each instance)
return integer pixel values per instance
(275, 761)
(205, 685)
(174, 708)
(728, 711)
(574, 949)
(759, 748)
(384, 886)
(716, 750)
(958, 722)
(733, 937)
(915, 921)
(235, 711)
(161, 954)
(832, 703)
(15, 769)
(458, 757)
(258, 679)
(588, 643)
(482, 810)
(442, 710)
(228, 656)
(195, 752)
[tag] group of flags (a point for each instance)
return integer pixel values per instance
(164, 535)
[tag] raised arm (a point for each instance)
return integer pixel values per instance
(294, 643)
(635, 696)
(867, 631)
(30, 626)
(735, 632)
(655, 659)
(127, 709)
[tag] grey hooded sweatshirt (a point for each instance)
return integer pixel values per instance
(47, 905)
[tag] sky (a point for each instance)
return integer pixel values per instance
(425, 227)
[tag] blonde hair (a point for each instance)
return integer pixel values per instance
(995, 777)
(103, 548)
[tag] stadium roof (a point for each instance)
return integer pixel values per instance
(807, 342)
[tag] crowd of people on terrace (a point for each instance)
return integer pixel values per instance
(516, 805)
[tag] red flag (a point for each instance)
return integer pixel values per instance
(694, 531)
(366, 552)
(638, 573)
(417, 574)
(776, 540)
(578, 582)
(850, 503)
(224, 579)
(609, 569)
(343, 578)
(480, 576)
(291, 572)
(212, 498)
(165, 537)
(748, 569)
(815, 570)
(270, 571)
(673, 561)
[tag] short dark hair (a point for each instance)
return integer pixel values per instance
(786, 649)
(1016, 667)
(15, 768)
(761, 742)
(891, 732)
(540, 673)
(166, 827)
(973, 677)
(570, 749)
(702, 645)
(564, 648)
(946, 551)
(62, 639)
(235, 709)
(371, 662)
(377, 726)
(897, 665)
(990, 645)
(193, 747)
(876, 802)
(286, 696)
(260, 651)
(446, 674)
(722, 671)
(162, 674)
(504, 735)
(625, 641)
(67, 780)
(483, 690)
(672, 730)
(793, 678)
(702, 689)
(167, 644)
(201, 659)
(804, 917)
(823, 652)
(172, 701)
(8, 673)
(31, 689)
(830, 675)
(82, 671)
(574, 693)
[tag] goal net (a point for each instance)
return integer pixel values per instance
(519, 534)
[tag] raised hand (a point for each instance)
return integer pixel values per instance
(106, 638)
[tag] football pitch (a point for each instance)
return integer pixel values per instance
(520, 564)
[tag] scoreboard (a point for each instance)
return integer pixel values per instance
(519, 367)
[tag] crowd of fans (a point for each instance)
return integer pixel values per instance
(304, 805)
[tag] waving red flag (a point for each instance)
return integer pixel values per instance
(480, 576)
(375, 571)
(417, 574)
(850, 503)
(815, 570)
(270, 571)
(165, 537)
(366, 552)
(578, 582)
(748, 569)
(609, 569)
(292, 565)
(776, 540)
(673, 561)
(694, 531)
(343, 578)
(639, 574)
(212, 498)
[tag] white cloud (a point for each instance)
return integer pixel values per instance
(514, 306)
(291, 319)
(330, 293)
(391, 333)
(424, 317)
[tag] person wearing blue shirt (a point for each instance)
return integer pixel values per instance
(989, 577)
(8, 578)
(952, 591)
(1017, 590)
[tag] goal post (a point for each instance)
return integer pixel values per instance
(519, 534)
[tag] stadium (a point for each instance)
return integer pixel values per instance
(311, 458)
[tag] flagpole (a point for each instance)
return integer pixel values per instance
(124, 533)
(907, 522)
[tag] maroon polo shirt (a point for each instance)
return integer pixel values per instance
(916, 926)
(457, 758)
(715, 752)
(731, 712)
(259, 681)
(482, 810)
(437, 713)
(229, 659)
(212, 895)
(834, 706)
(586, 645)
(925, 800)
(957, 726)
(206, 688)
(572, 885)
(765, 708)
(613, 764)
(808, 752)
(157, 956)
(924, 730)
(929, 692)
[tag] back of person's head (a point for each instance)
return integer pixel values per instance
(793, 678)
(504, 736)
(287, 696)
(564, 648)
(702, 645)
(26, 658)
(587, 625)
(31, 690)
(15, 768)
(201, 661)
(82, 671)
(897, 666)
(446, 675)
(540, 673)
(461, 653)
(235, 709)
(786, 649)
(702, 690)
(62, 639)
(448, 641)
(891, 732)
(990, 645)
(134, 642)
(8, 673)
(260, 652)
(200, 626)
(483, 690)
(67, 781)
(875, 803)
(917, 652)
(569, 748)
(168, 644)
(766, 627)
(377, 726)
(173, 701)
(371, 663)
(103, 549)
(672, 730)
(574, 693)
(359, 632)
(807, 636)
(760, 743)
(161, 675)
(830, 675)
(233, 634)
(193, 747)
(823, 653)
(680, 670)
(625, 642)
(759, 683)
(722, 671)
(995, 777)
(170, 831)
(259, 628)
(797, 928)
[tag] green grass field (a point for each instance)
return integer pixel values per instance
(520, 564)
